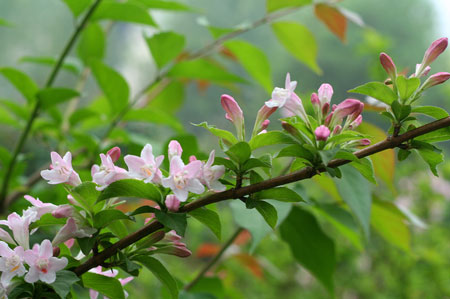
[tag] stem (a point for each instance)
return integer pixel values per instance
(37, 104)
(214, 260)
(305, 173)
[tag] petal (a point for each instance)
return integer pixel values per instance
(147, 154)
(195, 186)
(54, 177)
(176, 165)
(68, 159)
(134, 163)
(181, 194)
(46, 249)
(48, 277)
(56, 158)
(57, 264)
(4, 235)
(32, 275)
(5, 251)
(193, 168)
(93, 294)
(159, 160)
(210, 159)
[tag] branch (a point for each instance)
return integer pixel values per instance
(37, 104)
(305, 173)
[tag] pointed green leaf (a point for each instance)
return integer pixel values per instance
(131, 188)
(92, 43)
(406, 87)
(123, 12)
(64, 281)
(165, 46)
(376, 90)
(105, 217)
(268, 212)
(210, 219)
(108, 286)
(273, 5)
(202, 69)
(71, 66)
(77, 6)
(299, 41)
(435, 112)
(430, 154)
(22, 82)
(310, 246)
(228, 136)
(239, 152)
(280, 194)
(254, 61)
(53, 96)
(270, 138)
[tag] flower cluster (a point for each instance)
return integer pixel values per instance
(182, 179)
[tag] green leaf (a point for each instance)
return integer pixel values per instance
(400, 111)
(210, 219)
(170, 99)
(254, 222)
(86, 195)
(365, 167)
(355, 191)
(296, 150)
(23, 290)
(105, 217)
(228, 136)
(435, 136)
(165, 47)
(165, 5)
(270, 138)
(239, 152)
(77, 6)
(160, 272)
(342, 220)
(47, 220)
(273, 5)
(113, 85)
(92, 43)
(131, 188)
(107, 286)
(429, 153)
(72, 67)
(376, 90)
(22, 82)
(299, 41)
(64, 281)
(390, 223)
(310, 246)
(254, 163)
(175, 221)
(406, 87)
(254, 61)
(403, 154)
(283, 194)
(123, 12)
(268, 212)
(49, 97)
(202, 69)
(435, 112)
(4, 23)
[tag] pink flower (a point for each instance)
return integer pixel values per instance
(172, 203)
(388, 65)
(40, 207)
(183, 178)
(11, 262)
(349, 107)
(436, 49)
(114, 153)
(63, 211)
(281, 95)
(435, 79)
(295, 106)
(174, 149)
(233, 114)
(211, 173)
(4, 235)
(71, 230)
(322, 133)
(145, 167)
(107, 173)
(61, 170)
(20, 227)
(43, 266)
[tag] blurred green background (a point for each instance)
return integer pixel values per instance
(402, 28)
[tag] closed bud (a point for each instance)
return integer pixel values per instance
(56, 251)
(436, 79)
(63, 211)
(114, 153)
(322, 133)
(315, 100)
(233, 114)
(364, 142)
(388, 65)
(337, 129)
(436, 49)
(174, 149)
(172, 203)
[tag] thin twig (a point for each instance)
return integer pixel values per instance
(214, 260)
(305, 173)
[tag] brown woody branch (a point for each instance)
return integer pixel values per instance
(305, 173)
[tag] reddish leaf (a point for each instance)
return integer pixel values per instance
(243, 238)
(250, 263)
(228, 54)
(202, 85)
(333, 19)
(207, 250)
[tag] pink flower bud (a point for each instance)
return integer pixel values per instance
(265, 124)
(325, 93)
(56, 251)
(174, 149)
(192, 158)
(424, 71)
(315, 100)
(349, 107)
(388, 65)
(436, 48)
(155, 237)
(263, 114)
(436, 79)
(289, 128)
(325, 108)
(356, 122)
(114, 153)
(233, 114)
(262, 132)
(322, 133)
(364, 142)
(172, 203)
(337, 130)
(63, 211)
(69, 243)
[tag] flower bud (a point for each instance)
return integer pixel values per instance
(364, 142)
(114, 153)
(174, 149)
(192, 158)
(337, 130)
(325, 93)
(63, 211)
(233, 114)
(356, 122)
(315, 100)
(290, 129)
(172, 203)
(436, 48)
(388, 65)
(265, 124)
(56, 251)
(322, 133)
(436, 79)
(262, 117)
(424, 71)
